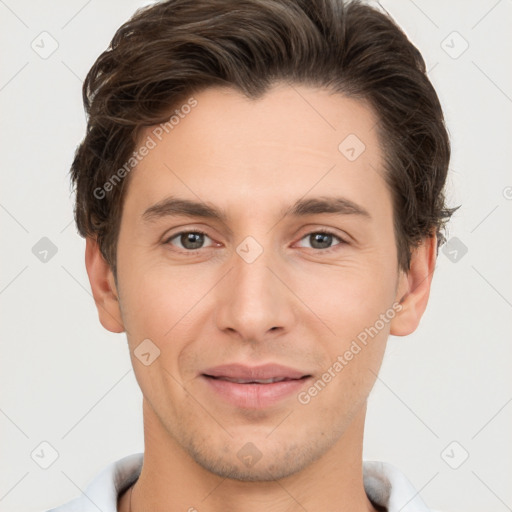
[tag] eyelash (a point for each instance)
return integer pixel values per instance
(317, 231)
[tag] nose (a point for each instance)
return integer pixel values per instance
(255, 301)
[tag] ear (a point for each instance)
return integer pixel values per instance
(414, 288)
(103, 287)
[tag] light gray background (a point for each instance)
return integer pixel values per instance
(66, 381)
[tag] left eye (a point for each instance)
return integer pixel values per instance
(189, 240)
(322, 239)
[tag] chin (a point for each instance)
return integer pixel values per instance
(259, 460)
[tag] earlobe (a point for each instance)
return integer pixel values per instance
(414, 288)
(103, 287)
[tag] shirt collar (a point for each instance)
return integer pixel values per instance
(384, 484)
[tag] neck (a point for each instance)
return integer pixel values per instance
(170, 479)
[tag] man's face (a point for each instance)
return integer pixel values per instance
(259, 287)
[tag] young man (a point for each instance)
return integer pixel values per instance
(261, 191)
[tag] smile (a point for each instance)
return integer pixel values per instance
(253, 387)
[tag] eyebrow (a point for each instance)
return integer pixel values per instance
(174, 206)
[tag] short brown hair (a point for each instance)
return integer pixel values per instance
(172, 49)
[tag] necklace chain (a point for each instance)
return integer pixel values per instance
(131, 491)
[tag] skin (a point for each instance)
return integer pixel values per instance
(295, 305)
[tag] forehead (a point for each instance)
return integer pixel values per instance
(292, 140)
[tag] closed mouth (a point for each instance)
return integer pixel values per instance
(255, 381)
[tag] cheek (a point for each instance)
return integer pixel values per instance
(155, 293)
(348, 298)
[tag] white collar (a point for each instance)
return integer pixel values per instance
(384, 484)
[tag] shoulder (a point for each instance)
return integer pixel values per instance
(388, 487)
(101, 493)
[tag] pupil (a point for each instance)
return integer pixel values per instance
(191, 240)
(194, 240)
(327, 239)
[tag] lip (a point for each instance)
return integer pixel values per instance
(265, 371)
(254, 395)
